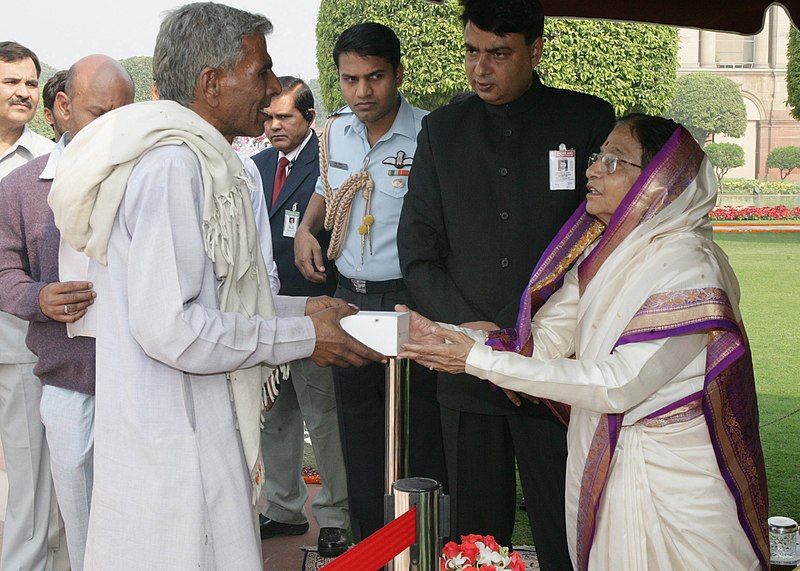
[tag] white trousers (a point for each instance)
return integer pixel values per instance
(68, 417)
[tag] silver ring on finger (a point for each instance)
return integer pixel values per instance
(66, 309)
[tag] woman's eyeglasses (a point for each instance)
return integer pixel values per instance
(610, 161)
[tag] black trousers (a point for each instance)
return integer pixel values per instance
(480, 451)
(360, 393)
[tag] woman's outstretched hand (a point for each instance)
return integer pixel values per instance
(420, 328)
(433, 346)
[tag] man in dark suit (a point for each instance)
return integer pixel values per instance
(289, 171)
(495, 176)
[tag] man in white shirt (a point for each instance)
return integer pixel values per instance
(19, 96)
(21, 430)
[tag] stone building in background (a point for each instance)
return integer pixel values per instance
(758, 65)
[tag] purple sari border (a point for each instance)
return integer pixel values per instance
(586, 540)
(699, 325)
(739, 499)
(648, 174)
(547, 277)
(502, 339)
(729, 481)
(566, 230)
(677, 404)
(614, 426)
(734, 355)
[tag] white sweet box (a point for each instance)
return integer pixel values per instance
(383, 331)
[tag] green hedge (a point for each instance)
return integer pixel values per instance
(746, 186)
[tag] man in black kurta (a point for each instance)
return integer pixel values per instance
(495, 177)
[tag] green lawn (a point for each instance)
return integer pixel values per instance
(768, 268)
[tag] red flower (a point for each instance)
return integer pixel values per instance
(490, 542)
(470, 551)
(516, 562)
(451, 549)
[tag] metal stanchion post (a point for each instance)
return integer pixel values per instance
(398, 388)
(432, 518)
(397, 427)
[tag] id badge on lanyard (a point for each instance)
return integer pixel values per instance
(291, 219)
(562, 168)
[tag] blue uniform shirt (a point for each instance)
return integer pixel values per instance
(390, 163)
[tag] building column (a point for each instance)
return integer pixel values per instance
(689, 51)
(761, 46)
(708, 48)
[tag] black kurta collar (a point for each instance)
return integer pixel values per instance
(519, 106)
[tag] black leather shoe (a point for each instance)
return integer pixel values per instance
(332, 541)
(272, 528)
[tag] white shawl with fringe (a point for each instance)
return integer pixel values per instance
(89, 186)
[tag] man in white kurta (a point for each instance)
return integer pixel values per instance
(186, 324)
(164, 410)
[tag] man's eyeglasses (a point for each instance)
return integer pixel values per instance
(610, 161)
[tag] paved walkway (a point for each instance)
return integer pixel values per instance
(286, 553)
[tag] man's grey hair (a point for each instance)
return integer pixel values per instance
(196, 36)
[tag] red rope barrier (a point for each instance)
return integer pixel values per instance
(381, 547)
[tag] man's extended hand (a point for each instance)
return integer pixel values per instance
(334, 345)
(66, 301)
(320, 302)
(308, 256)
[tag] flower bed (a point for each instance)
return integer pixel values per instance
(723, 213)
(749, 186)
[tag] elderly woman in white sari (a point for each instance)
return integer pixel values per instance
(630, 329)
